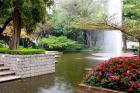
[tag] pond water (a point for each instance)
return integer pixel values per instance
(69, 73)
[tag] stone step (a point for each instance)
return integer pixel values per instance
(2, 68)
(56, 61)
(9, 78)
(57, 56)
(1, 64)
(6, 73)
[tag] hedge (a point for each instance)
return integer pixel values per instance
(23, 51)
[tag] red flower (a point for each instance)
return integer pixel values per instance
(129, 78)
(128, 67)
(131, 70)
(132, 83)
(97, 78)
(112, 67)
(138, 84)
(123, 70)
(126, 60)
(128, 71)
(116, 78)
(131, 89)
(100, 73)
(102, 69)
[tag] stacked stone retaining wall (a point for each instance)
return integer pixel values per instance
(29, 65)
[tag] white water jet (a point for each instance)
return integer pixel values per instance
(113, 42)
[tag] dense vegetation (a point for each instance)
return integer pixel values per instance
(74, 16)
(59, 43)
(23, 14)
(74, 19)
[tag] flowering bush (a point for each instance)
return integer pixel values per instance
(122, 73)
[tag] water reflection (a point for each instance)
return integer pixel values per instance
(69, 73)
(28, 85)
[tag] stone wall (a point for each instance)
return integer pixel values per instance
(29, 65)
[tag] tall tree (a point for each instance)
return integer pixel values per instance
(131, 13)
(24, 14)
(80, 13)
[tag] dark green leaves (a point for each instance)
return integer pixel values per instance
(32, 11)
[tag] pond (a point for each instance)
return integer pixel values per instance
(69, 73)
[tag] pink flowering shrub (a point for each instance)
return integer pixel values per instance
(122, 73)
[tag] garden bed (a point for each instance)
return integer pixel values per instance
(82, 88)
(122, 73)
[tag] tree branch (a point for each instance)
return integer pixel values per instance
(5, 24)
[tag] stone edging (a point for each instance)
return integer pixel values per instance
(82, 88)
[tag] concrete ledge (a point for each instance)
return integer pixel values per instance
(29, 65)
(82, 88)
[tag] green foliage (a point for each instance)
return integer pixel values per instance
(131, 16)
(132, 2)
(5, 10)
(59, 43)
(23, 51)
(79, 11)
(132, 9)
(71, 33)
(1, 44)
(32, 11)
(3, 50)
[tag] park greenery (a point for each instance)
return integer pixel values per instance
(59, 43)
(69, 27)
(23, 14)
(79, 14)
(75, 20)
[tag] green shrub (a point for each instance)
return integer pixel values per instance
(23, 51)
(3, 50)
(59, 43)
(1, 44)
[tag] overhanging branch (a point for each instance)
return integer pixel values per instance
(5, 24)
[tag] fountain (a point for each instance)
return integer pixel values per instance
(111, 40)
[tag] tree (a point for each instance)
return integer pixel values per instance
(131, 14)
(24, 14)
(78, 13)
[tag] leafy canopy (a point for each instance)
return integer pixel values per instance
(78, 13)
(32, 11)
(131, 15)
(131, 9)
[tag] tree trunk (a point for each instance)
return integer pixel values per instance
(124, 41)
(87, 38)
(17, 28)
